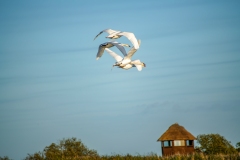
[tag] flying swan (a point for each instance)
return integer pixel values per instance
(135, 63)
(113, 34)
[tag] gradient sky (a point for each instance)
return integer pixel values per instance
(52, 87)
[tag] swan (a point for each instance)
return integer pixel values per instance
(102, 46)
(109, 31)
(113, 34)
(136, 63)
(127, 58)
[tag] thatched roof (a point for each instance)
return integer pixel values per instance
(176, 132)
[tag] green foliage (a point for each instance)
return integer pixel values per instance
(238, 146)
(130, 157)
(214, 144)
(152, 156)
(73, 149)
(35, 156)
(5, 158)
(66, 149)
(196, 156)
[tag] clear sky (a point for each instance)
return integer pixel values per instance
(52, 87)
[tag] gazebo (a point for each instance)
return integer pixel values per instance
(177, 140)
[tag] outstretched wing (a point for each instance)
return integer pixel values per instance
(139, 67)
(133, 50)
(120, 47)
(131, 38)
(109, 45)
(100, 50)
(109, 31)
(114, 55)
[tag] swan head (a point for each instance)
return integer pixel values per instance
(117, 64)
(144, 65)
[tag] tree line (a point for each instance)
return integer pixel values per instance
(74, 149)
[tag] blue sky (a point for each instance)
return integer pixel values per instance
(52, 87)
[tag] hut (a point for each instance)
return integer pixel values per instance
(177, 140)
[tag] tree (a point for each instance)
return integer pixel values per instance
(214, 144)
(53, 151)
(35, 156)
(238, 146)
(66, 149)
(4, 158)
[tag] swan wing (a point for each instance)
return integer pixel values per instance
(114, 55)
(110, 31)
(133, 50)
(100, 51)
(139, 67)
(109, 45)
(120, 47)
(138, 64)
(131, 38)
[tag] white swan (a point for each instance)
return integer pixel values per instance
(136, 63)
(109, 31)
(113, 34)
(109, 45)
(127, 58)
